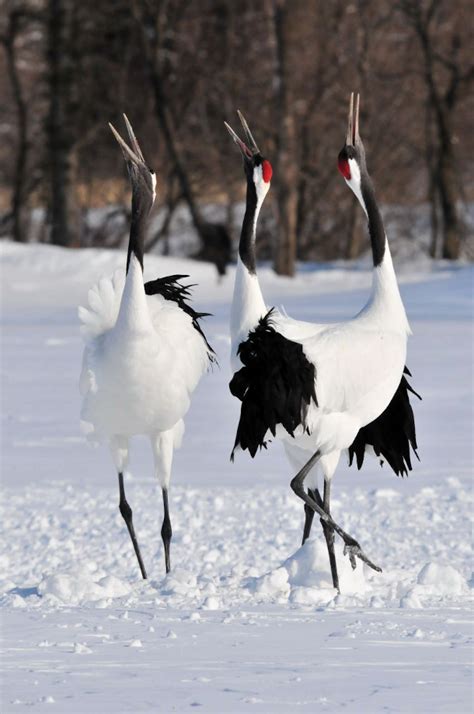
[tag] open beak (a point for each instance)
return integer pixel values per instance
(134, 154)
(250, 149)
(353, 121)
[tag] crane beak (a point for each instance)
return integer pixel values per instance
(133, 139)
(352, 135)
(132, 155)
(247, 154)
(248, 134)
(140, 174)
(250, 149)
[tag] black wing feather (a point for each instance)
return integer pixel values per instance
(392, 434)
(275, 385)
(170, 288)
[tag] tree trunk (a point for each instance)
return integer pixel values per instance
(450, 217)
(434, 217)
(442, 104)
(62, 210)
(445, 175)
(286, 173)
(215, 242)
(19, 194)
(287, 197)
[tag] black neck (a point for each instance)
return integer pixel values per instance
(376, 227)
(247, 234)
(136, 243)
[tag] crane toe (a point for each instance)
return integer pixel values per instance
(353, 550)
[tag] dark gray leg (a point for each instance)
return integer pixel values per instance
(329, 535)
(126, 512)
(166, 531)
(327, 530)
(352, 547)
(309, 515)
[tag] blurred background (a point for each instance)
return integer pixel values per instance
(178, 69)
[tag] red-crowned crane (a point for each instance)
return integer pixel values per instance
(322, 389)
(144, 356)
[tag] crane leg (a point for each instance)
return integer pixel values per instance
(327, 530)
(329, 534)
(352, 547)
(166, 531)
(163, 445)
(308, 517)
(126, 512)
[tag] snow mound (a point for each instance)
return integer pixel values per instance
(442, 579)
(180, 582)
(305, 577)
(80, 586)
(435, 581)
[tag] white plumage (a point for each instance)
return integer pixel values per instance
(359, 365)
(143, 357)
(142, 362)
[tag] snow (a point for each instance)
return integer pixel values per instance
(247, 620)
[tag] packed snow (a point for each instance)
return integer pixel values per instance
(247, 620)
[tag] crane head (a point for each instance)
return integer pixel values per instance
(142, 178)
(257, 169)
(351, 159)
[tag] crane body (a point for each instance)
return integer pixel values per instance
(321, 388)
(145, 353)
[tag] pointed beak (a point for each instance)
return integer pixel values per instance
(353, 121)
(132, 155)
(248, 134)
(250, 149)
(133, 139)
(141, 176)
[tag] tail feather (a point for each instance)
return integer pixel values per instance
(103, 306)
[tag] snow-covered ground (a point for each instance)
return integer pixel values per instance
(247, 620)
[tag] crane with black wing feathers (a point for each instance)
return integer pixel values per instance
(321, 388)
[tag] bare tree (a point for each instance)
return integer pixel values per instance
(286, 21)
(443, 49)
(61, 34)
(183, 67)
(216, 242)
(19, 18)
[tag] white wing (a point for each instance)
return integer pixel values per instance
(188, 352)
(357, 370)
(104, 302)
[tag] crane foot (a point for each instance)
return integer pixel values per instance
(353, 550)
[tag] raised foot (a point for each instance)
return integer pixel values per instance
(353, 550)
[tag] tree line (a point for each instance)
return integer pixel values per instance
(179, 68)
